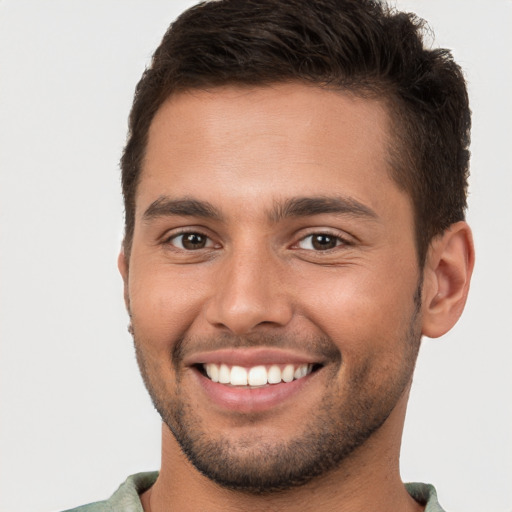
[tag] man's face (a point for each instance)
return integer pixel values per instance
(270, 241)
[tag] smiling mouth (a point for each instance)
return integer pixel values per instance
(256, 376)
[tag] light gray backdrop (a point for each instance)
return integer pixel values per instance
(75, 419)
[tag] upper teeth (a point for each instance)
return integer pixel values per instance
(257, 375)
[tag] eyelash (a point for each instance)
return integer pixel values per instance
(340, 241)
(169, 239)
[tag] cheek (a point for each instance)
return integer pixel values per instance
(363, 307)
(163, 304)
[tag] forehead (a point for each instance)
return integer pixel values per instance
(242, 144)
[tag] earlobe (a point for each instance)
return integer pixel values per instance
(122, 265)
(447, 275)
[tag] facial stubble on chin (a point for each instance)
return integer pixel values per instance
(330, 434)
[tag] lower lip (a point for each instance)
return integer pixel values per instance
(247, 400)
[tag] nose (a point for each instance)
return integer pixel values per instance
(250, 292)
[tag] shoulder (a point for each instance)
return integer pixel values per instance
(426, 495)
(126, 498)
(99, 506)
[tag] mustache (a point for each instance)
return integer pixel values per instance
(319, 347)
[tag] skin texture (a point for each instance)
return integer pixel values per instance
(230, 165)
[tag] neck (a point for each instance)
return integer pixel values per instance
(367, 480)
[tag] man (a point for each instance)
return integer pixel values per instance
(295, 184)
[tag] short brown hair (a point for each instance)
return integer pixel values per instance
(361, 46)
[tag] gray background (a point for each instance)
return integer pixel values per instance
(74, 418)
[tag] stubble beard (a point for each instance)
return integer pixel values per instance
(331, 434)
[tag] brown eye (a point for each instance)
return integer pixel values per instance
(323, 242)
(320, 242)
(191, 241)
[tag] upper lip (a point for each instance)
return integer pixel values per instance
(250, 357)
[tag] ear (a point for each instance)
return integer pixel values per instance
(447, 273)
(122, 265)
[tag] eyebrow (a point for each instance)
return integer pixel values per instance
(309, 206)
(166, 207)
(289, 208)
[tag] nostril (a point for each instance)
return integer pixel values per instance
(268, 323)
(241, 307)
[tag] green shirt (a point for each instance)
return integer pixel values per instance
(126, 498)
